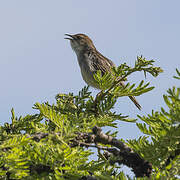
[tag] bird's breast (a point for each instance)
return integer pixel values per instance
(87, 71)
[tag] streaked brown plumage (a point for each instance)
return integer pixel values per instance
(90, 60)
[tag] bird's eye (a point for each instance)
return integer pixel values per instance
(76, 37)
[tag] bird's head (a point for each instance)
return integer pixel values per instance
(80, 42)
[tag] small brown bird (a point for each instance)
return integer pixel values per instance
(90, 60)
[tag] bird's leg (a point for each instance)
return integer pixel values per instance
(98, 96)
(97, 99)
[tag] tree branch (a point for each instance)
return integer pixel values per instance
(124, 154)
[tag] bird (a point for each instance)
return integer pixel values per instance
(91, 60)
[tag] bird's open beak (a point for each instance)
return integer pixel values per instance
(70, 37)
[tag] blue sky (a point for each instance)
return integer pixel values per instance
(36, 62)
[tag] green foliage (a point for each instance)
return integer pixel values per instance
(178, 73)
(162, 145)
(141, 64)
(39, 146)
(110, 81)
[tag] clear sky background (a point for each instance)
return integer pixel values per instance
(36, 62)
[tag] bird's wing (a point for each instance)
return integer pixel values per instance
(99, 62)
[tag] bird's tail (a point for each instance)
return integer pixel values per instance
(133, 99)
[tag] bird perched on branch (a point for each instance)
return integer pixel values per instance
(90, 60)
